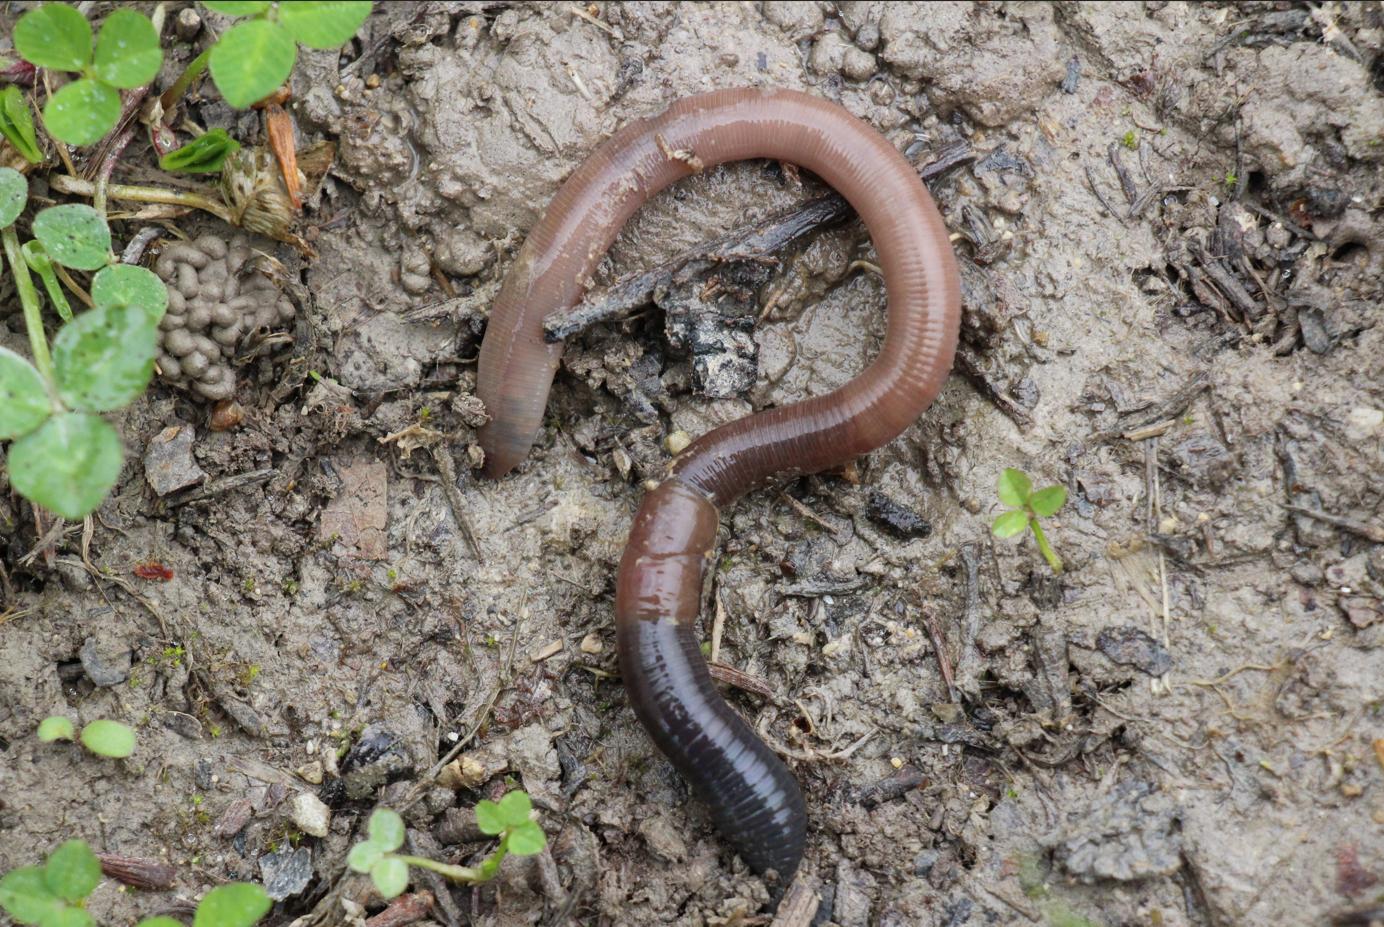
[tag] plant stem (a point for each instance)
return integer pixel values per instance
(455, 873)
(55, 294)
(118, 191)
(28, 298)
(194, 70)
(1049, 555)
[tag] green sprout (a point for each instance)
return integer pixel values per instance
(17, 124)
(1027, 507)
(65, 456)
(1131, 140)
(102, 737)
(509, 819)
(55, 894)
(124, 55)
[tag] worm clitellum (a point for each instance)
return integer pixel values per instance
(754, 799)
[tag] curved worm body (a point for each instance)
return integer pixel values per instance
(753, 797)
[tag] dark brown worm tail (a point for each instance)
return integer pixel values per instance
(752, 795)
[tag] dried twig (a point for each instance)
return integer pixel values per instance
(751, 242)
(443, 458)
(1365, 530)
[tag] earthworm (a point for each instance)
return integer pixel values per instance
(753, 798)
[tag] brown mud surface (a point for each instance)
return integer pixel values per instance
(1171, 230)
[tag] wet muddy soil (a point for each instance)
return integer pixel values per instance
(1169, 218)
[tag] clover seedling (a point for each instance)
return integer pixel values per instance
(103, 738)
(1016, 491)
(255, 56)
(125, 55)
(65, 457)
(507, 819)
(53, 895)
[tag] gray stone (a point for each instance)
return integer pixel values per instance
(286, 872)
(168, 462)
(106, 662)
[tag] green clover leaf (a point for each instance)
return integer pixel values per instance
(54, 36)
(390, 876)
(251, 60)
(239, 904)
(82, 112)
(386, 830)
(24, 403)
(127, 50)
(72, 871)
(1015, 487)
(74, 235)
(1047, 501)
(14, 193)
(67, 465)
(104, 358)
(526, 839)
(323, 25)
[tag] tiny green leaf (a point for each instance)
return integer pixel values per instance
(14, 193)
(526, 839)
(239, 904)
(72, 871)
(68, 465)
(82, 112)
(323, 25)
(24, 403)
(160, 921)
(17, 124)
(1014, 487)
(386, 830)
(54, 36)
(1010, 524)
(515, 808)
(68, 916)
(364, 856)
(390, 876)
(25, 896)
(37, 259)
(1047, 501)
(74, 236)
(128, 285)
(489, 817)
(204, 154)
(56, 728)
(237, 7)
(251, 60)
(127, 50)
(109, 738)
(104, 358)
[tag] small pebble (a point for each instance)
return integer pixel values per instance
(310, 814)
(311, 772)
(677, 442)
